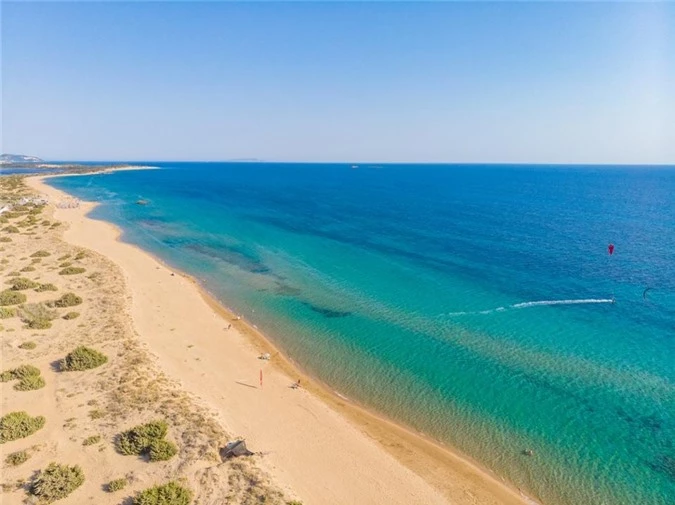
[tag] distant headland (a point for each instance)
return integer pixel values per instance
(33, 162)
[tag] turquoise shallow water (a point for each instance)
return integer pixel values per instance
(472, 303)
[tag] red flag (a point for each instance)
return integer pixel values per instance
(261, 377)
(610, 248)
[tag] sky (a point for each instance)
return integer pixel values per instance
(455, 82)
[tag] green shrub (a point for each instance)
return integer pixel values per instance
(30, 383)
(67, 300)
(37, 316)
(83, 358)
(29, 268)
(36, 260)
(5, 239)
(7, 375)
(28, 376)
(72, 271)
(10, 229)
(80, 255)
(16, 458)
(71, 315)
(25, 371)
(94, 439)
(7, 312)
(46, 287)
(40, 254)
(9, 297)
(116, 485)
(56, 482)
(28, 345)
(16, 425)
(39, 324)
(65, 264)
(21, 283)
(167, 494)
(14, 274)
(63, 258)
(138, 440)
(162, 450)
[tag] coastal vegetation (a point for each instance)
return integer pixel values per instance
(147, 439)
(17, 458)
(21, 283)
(56, 482)
(83, 358)
(117, 485)
(94, 439)
(171, 493)
(16, 425)
(46, 287)
(72, 271)
(162, 450)
(37, 316)
(66, 300)
(28, 376)
(9, 297)
(71, 315)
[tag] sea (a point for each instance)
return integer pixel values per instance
(477, 304)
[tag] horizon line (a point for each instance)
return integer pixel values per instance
(356, 163)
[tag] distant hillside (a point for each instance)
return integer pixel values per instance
(19, 158)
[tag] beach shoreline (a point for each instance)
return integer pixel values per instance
(405, 466)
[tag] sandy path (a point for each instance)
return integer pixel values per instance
(311, 449)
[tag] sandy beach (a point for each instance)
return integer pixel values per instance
(315, 446)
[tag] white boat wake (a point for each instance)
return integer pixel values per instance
(562, 302)
(538, 303)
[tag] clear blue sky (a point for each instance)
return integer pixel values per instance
(434, 82)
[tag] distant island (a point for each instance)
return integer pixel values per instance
(18, 158)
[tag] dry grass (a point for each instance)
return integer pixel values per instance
(72, 271)
(37, 316)
(17, 458)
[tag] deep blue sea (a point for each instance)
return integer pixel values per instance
(472, 303)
